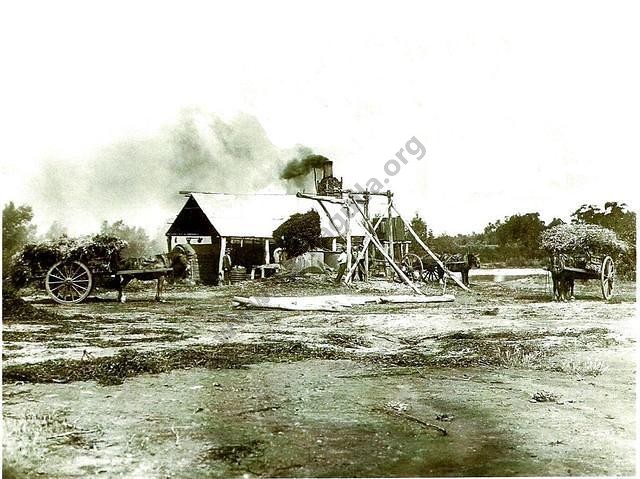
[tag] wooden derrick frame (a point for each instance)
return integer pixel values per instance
(372, 238)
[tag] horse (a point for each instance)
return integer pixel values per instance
(563, 281)
(457, 263)
(179, 260)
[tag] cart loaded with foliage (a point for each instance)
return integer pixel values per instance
(581, 251)
(70, 268)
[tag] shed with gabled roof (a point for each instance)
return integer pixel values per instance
(212, 222)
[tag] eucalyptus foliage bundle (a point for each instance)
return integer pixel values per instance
(99, 252)
(299, 233)
(582, 239)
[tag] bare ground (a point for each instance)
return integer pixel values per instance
(195, 388)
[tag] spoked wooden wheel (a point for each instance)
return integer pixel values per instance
(411, 265)
(431, 274)
(607, 276)
(68, 282)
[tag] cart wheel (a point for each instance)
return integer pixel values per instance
(431, 275)
(411, 265)
(68, 282)
(607, 276)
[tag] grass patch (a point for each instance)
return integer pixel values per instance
(581, 368)
(232, 454)
(345, 340)
(524, 335)
(74, 334)
(129, 363)
(518, 356)
(16, 309)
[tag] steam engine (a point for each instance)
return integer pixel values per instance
(328, 185)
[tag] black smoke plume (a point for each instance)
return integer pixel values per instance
(297, 168)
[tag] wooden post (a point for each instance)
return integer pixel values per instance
(378, 245)
(333, 223)
(223, 247)
(267, 255)
(366, 249)
(334, 244)
(392, 263)
(348, 232)
(390, 223)
(365, 252)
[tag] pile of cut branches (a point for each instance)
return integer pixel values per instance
(582, 239)
(100, 253)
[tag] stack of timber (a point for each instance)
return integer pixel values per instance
(331, 302)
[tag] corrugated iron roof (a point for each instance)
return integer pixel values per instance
(258, 215)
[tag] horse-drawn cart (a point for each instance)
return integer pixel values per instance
(71, 268)
(581, 251)
(565, 269)
(606, 274)
(71, 282)
(426, 269)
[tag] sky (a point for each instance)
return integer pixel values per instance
(520, 106)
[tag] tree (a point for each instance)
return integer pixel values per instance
(444, 243)
(522, 231)
(299, 233)
(17, 231)
(615, 216)
(489, 235)
(139, 243)
(554, 222)
(420, 227)
(56, 231)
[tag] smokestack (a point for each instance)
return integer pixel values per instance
(327, 169)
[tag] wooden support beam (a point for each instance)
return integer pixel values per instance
(364, 193)
(267, 254)
(378, 245)
(348, 233)
(397, 269)
(429, 252)
(223, 247)
(366, 250)
(390, 225)
(329, 199)
(326, 211)
(363, 254)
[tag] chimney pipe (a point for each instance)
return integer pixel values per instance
(327, 169)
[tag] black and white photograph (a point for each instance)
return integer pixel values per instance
(319, 239)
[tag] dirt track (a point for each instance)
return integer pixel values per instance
(324, 394)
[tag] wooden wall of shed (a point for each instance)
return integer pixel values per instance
(208, 258)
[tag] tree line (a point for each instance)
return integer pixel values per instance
(514, 241)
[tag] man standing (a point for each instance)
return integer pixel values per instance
(360, 270)
(342, 265)
(226, 267)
